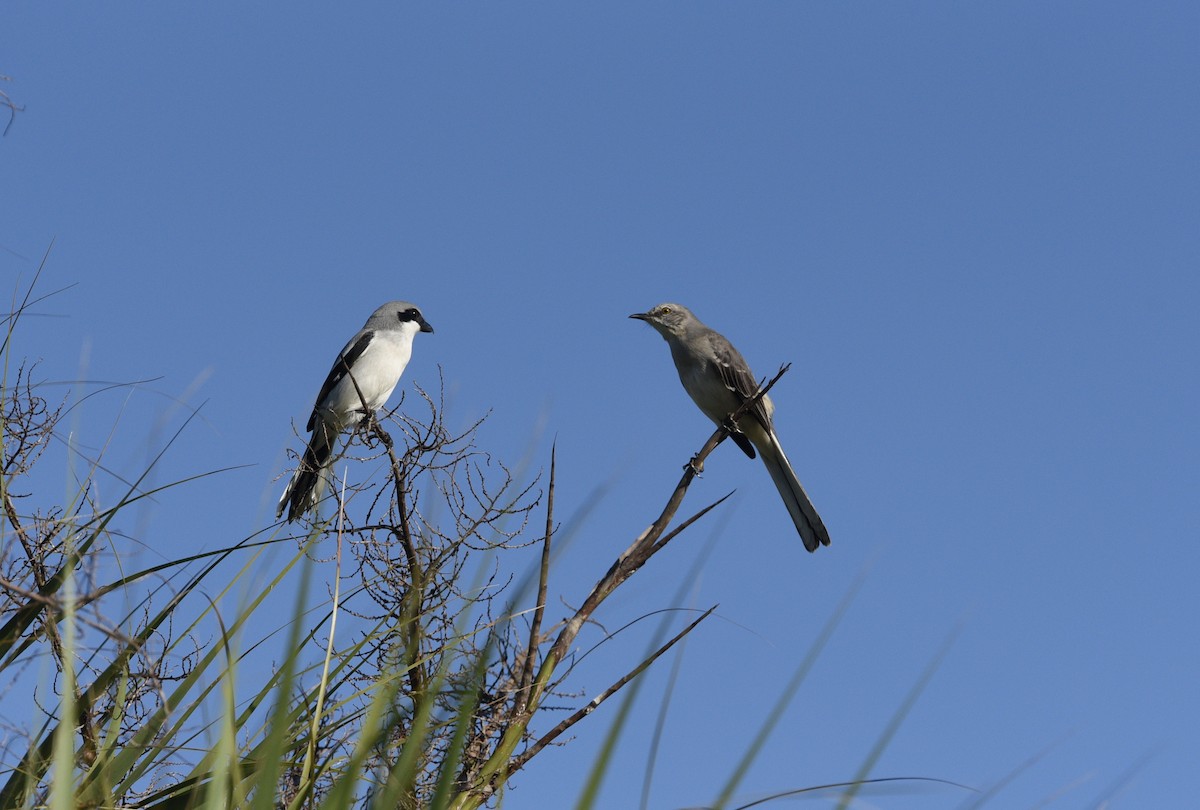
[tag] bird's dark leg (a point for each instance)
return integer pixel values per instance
(734, 432)
(371, 427)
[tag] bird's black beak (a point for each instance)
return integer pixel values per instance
(641, 316)
(425, 327)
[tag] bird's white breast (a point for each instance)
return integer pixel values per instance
(376, 372)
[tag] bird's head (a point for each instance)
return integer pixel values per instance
(407, 315)
(668, 319)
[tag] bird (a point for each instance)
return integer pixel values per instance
(363, 376)
(719, 381)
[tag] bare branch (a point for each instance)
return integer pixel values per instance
(550, 736)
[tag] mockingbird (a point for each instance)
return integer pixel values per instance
(719, 381)
(362, 378)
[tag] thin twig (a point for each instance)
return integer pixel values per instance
(593, 704)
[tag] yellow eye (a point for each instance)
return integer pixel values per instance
(664, 310)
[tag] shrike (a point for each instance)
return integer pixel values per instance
(362, 378)
(719, 381)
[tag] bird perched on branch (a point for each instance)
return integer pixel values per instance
(719, 381)
(363, 376)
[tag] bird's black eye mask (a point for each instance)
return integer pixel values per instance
(408, 315)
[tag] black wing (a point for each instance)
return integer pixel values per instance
(735, 373)
(340, 366)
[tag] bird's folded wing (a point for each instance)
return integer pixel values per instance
(735, 373)
(341, 366)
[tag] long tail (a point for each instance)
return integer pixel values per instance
(311, 479)
(804, 514)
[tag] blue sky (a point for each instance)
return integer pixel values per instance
(973, 229)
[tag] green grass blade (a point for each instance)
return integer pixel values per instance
(896, 720)
(789, 692)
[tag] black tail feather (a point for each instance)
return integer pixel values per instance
(307, 484)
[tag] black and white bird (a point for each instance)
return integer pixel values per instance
(719, 381)
(362, 378)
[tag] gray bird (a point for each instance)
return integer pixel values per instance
(362, 378)
(718, 380)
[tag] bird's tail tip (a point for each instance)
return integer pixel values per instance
(812, 543)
